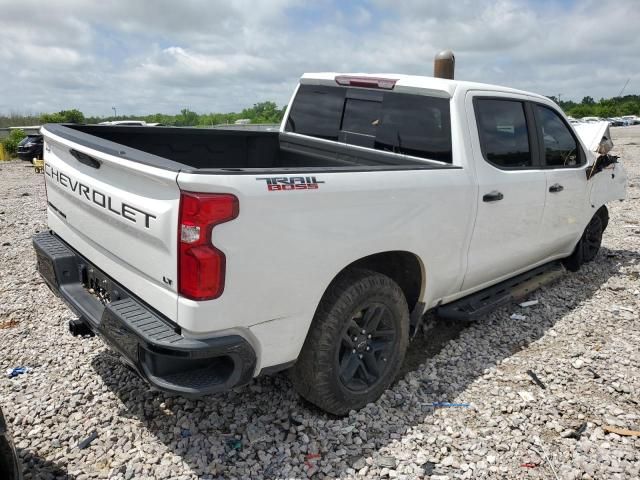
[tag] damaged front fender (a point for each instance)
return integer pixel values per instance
(606, 176)
(608, 185)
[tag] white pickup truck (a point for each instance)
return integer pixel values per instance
(206, 257)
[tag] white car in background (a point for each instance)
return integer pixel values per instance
(590, 119)
(631, 119)
(134, 123)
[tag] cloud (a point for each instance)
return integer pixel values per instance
(162, 56)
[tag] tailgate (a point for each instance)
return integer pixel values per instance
(120, 214)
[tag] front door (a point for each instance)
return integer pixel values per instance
(566, 209)
(511, 188)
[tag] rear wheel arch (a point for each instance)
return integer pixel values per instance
(403, 267)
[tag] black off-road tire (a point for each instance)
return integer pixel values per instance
(589, 244)
(356, 297)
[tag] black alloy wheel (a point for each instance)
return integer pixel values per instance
(356, 343)
(367, 342)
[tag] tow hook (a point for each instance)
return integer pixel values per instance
(78, 328)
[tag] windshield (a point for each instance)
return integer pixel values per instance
(30, 139)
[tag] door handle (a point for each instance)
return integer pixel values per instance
(492, 196)
(555, 188)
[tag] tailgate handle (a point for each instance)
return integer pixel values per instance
(85, 159)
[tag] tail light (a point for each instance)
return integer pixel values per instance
(201, 266)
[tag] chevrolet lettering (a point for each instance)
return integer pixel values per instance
(98, 198)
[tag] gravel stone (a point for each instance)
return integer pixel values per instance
(447, 461)
(581, 339)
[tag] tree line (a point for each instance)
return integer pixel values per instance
(605, 107)
(268, 112)
(264, 112)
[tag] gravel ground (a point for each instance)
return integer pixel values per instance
(582, 340)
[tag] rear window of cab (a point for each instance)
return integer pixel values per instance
(416, 125)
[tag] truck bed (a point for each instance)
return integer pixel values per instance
(206, 150)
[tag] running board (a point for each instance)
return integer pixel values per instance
(473, 306)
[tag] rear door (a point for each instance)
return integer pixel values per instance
(565, 164)
(120, 214)
(511, 188)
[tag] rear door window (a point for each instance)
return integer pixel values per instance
(503, 132)
(561, 149)
(415, 125)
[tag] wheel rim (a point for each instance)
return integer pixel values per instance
(366, 347)
(593, 238)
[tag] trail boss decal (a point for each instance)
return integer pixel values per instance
(291, 183)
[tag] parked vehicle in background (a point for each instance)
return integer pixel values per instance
(631, 119)
(616, 122)
(30, 147)
(206, 257)
(132, 123)
(590, 119)
(10, 467)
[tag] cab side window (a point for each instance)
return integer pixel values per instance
(561, 149)
(503, 131)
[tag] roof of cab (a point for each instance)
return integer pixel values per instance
(415, 84)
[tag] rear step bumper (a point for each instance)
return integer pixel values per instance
(150, 343)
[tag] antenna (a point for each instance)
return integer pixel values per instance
(625, 86)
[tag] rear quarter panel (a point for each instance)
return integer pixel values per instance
(285, 247)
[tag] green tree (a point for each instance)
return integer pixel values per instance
(588, 100)
(581, 110)
(186, 118)
(63, 116)
(73, 116)
(263, 112)
(630, 108)
(10, 143)
(606, 108)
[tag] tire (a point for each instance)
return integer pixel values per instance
(588, 245)
(356, 343)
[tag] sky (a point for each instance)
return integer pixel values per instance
(221, 56)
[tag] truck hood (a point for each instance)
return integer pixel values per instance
(595, 136)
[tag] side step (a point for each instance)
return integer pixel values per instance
(474, 306)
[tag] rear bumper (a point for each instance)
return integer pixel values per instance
(150, 343)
